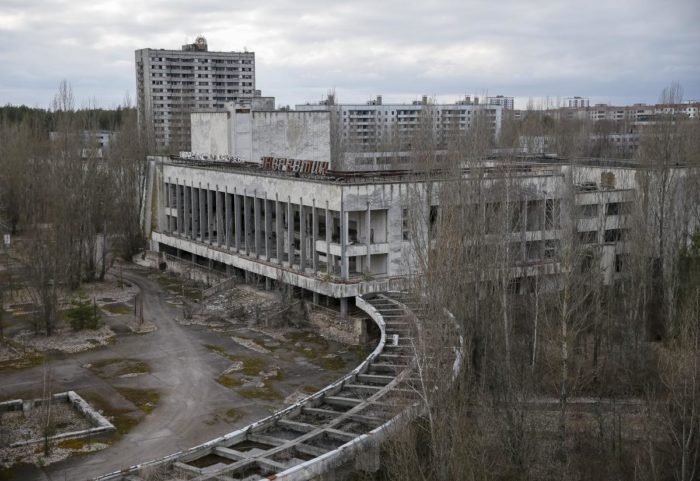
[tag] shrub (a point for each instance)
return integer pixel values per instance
(82, 314)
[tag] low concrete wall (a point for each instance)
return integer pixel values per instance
(101, 423)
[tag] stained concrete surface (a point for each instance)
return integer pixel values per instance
(183, 370)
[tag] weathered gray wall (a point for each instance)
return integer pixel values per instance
(210, 133)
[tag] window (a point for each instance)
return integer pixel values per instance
(588, 211)
(589, 237)
(404, 224)
(433, 219)
(550, 249)
(613, 235)
(551, 214)
(621, 262)
(612, 209)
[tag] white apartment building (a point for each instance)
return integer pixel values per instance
(506, 102)
(172, 83)
(375, 135)
(577, 102)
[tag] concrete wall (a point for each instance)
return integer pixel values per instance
(294, 135)
(250, 135)
(210, 133)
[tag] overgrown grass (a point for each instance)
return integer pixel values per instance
(267, 393)
(334, 363)
(233, 414)
(117, 308)
(144, 399)
(77, 444)
(125, 366)
(26, 362)
(123, 419)
(308, 389)
(251, 365)
(229, 381)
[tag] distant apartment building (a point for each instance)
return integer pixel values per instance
(172, 83)
(577, 102)
(378, 135)
(505, 102)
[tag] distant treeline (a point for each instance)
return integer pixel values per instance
(98, 119)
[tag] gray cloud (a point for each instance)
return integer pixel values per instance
(612, 51)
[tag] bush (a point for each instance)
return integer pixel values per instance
(82, 314)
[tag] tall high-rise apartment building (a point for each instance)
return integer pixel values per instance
(172, 83)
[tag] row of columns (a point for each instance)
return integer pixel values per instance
(245, 223)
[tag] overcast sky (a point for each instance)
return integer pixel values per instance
(613, 51)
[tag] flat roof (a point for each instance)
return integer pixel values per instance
(501, 170)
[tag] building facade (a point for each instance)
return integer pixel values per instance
(506, 102)
(378, 136)
(172, 83)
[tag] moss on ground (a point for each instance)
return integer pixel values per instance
(117, 308)
(251, 365)
(26, 362)
(334, 363)
(267, 393)
(233, 414)
(229, 381)
(123, 419)
(120, 367)
(144, 399)
(308, 389)
(76, 444)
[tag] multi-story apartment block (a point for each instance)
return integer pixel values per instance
(377, 135)
(173, 83)
(506, 102)
(577, 102)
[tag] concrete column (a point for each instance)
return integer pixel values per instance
(268, 284)
(166, 210)
(186, 205)
(315, 298)
(220, 228)
(329, 238)
(258, 225)
(279, 230)
(194, 196)
(229, 231)
(178, 207)
(344, 263)
(368, 240)
(210, 214)
(268, 229)
(237, 219)
(246, 222)
(290, 231)
(314, 236)
(343, 307)
(302, 236)
(523, 230)
(202, 213)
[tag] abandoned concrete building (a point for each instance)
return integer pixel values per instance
(263, 199)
